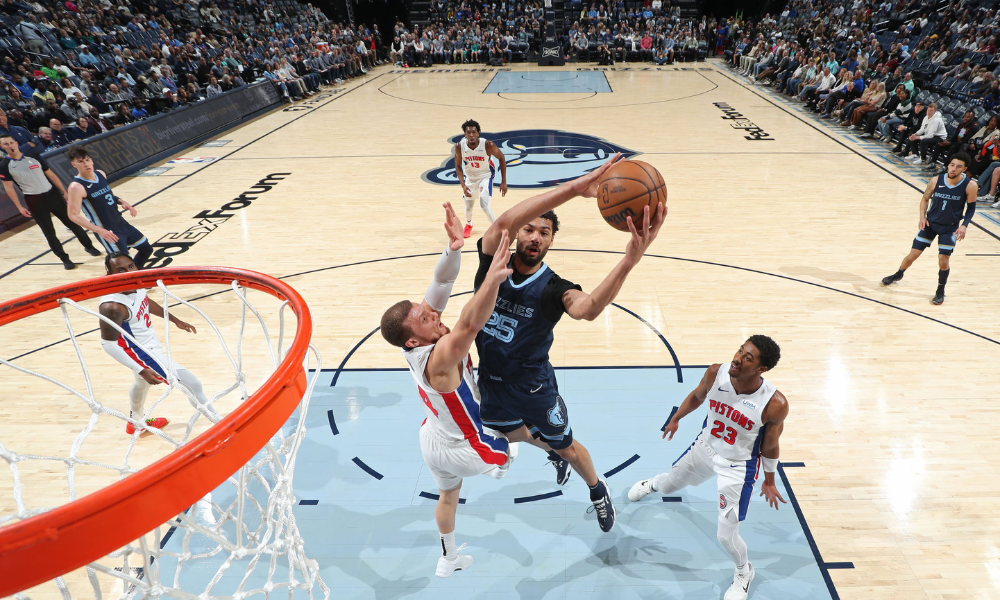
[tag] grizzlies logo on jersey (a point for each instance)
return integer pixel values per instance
(557, 414)
(539, 157)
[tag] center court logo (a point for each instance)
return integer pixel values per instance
(538, 158)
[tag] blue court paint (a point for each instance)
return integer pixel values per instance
(308, 502)
(366, 468)
(538, 497)
(333, 422)
(548, 82)
(377, 539)
(793, 464)
(431, 496)
(617, 469)
(839, 565)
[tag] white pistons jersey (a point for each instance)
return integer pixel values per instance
(454, 416)
(140, 326)
(733, 426)
(476, 162)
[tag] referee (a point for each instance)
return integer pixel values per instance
(43, 193)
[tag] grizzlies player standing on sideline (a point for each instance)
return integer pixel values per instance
(475, 171)
(746, 416)
(949, 194)
(90, 192)
(516, 380)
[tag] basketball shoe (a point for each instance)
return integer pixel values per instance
(563, 468)
(448, 565)
(157, 423)
(741, 585)
(467, 231)
(640, 490)
(604, 508)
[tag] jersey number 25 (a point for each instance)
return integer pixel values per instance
(500, 327)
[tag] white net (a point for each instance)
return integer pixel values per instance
(241, 539)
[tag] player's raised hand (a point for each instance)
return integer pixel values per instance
(184, 325)
(498, 268)
(770, 491)
(586, 186)
(453, 227)
(641, 240)
(670, 429)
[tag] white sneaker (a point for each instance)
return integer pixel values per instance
(917, 161)
(500, 471)
(640, 490)
(984, 198)
(995, 204)
(741, 586)
(447, 566)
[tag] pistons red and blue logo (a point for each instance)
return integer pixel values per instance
(722, 502)
(538, 158)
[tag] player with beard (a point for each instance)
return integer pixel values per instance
(516, 380)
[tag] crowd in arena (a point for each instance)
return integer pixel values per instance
(914, 76)
(77, 68)
(487, 32)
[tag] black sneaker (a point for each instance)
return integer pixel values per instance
(68, 264)
(938, 298)
(605, 509)
(563, 470)
(891, 279)
(93, 251)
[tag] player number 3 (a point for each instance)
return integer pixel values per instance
(717, 429)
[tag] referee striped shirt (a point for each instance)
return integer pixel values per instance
(28, 173)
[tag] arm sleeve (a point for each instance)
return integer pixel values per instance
(445, 274)
(970, 210)
(118, 353)
(485, 260)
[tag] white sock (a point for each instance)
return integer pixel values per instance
(448, 545)
(137, 396)
(744, 568)
(470, 203)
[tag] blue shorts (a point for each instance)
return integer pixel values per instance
(945, 235)
(536, 403)
(128, 237)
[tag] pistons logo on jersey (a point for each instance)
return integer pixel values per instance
(722, 502)
(538, 157)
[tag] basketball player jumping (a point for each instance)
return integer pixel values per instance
(91, 192)
(948, 194)
(475, 171)
(746, 415)
(516, 380)
(146, 359)
(453, 441)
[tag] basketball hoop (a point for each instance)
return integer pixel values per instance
(43, 544)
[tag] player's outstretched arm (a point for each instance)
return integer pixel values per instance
(581, 305)
(448, 265)
(774, 423)
(156, 309)
(523, 212)
(693, 400)
(452, 348)
(117, 313)
(458, 170)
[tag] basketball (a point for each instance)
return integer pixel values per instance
(626, 188)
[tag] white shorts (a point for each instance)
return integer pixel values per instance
(450, 461)
(481, 187)
(735, 479)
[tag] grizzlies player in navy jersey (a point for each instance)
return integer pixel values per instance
(90, 194)
(948, 195)
(516, 381)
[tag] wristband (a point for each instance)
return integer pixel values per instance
(770, 464)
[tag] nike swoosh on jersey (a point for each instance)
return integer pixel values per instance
(537, 388)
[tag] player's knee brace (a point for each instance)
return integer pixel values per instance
(729, 536)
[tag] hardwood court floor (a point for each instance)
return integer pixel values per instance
(892, 399)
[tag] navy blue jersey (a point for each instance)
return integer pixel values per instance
(99, 204)
(514, 344)
(948, 202)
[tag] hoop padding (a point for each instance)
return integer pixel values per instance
(45, 546)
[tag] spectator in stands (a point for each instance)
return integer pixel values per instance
(45, 139)
(876, 118)
(960, 71)
(72, 109)
(99, 123)
(957, 141)
(31, 33)
(87, 58)
(166, 80)
(81, 130)
(213, 89)
(810, 93)
(908, 125)
(872, 99)
(26, 142)
(18, 82)
(59, 136)
(931, 132)
(167, 101)
(396, 51)
(138, 112)
(124, 115)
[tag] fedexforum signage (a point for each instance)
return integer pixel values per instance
(752, 132)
